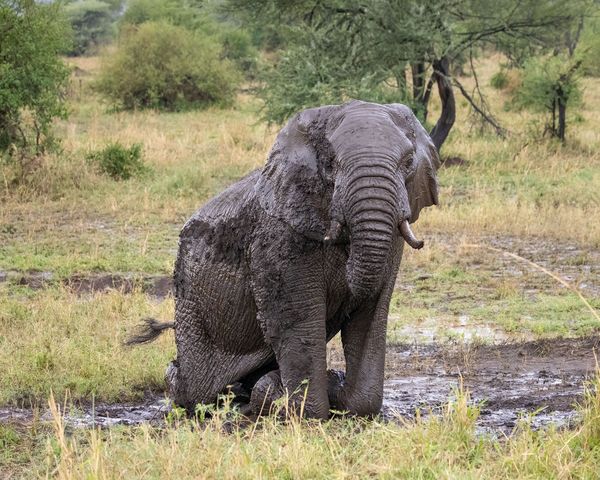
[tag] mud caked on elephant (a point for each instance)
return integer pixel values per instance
(272, 268)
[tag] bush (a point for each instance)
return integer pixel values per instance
(163, 66)
(589, 47)
(142, 11)
(499, 80)
(237, 47)
(236, 43)
(32, 79)
(119, 162)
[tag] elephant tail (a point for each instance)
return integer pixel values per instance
(148, 331)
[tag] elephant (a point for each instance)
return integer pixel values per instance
(271, 269)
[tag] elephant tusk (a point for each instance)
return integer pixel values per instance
(409, 236)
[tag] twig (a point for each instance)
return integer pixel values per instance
(501, 132)
(542, 269)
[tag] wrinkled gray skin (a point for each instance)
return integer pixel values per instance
(276, 265)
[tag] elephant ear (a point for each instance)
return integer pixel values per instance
(421, 184)
(296, 183)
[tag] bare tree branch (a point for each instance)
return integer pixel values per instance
(500, 131)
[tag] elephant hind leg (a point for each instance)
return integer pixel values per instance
(267, 390)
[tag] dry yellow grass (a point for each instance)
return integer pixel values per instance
(446, 447)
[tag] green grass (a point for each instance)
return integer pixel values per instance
(54, 341)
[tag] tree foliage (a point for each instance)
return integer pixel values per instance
(159, 65)
(590, 45)
(373, 49)
(32, 77)
(92, 24)
(173, 11)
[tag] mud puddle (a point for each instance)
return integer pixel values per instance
(158, 286)
(151, 411)
(541, 380)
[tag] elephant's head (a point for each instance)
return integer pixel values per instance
(358, 172)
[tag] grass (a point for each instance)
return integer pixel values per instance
(52, 340)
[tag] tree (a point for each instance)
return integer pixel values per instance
(550, 84)
(92, 24)
(336, 49)
(551, 70)
(159, 65)
(32, 78)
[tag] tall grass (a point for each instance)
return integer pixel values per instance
(446, 446)
(53, 340)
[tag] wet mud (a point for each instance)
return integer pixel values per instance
(541, 381)
(159, 286)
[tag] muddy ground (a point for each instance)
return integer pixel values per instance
(540, 380)
(507, 380)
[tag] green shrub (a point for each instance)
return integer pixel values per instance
(163, 66)
(499, 80)
(119, 162)
(237, 47)
(142, 11)
(32, 80)
(589, 47)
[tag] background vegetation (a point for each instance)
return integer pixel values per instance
(177, 90)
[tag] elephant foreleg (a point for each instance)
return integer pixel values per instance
(363, 338)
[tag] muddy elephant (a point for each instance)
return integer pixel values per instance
(272, 268)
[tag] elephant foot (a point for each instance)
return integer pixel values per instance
(171, 377)
(269, 388)
(335, 383)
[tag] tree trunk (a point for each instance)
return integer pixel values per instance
(442, 128)
(553, 129)
(562, 119)
(418, 86)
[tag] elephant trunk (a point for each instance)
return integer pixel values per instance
(372, 209)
